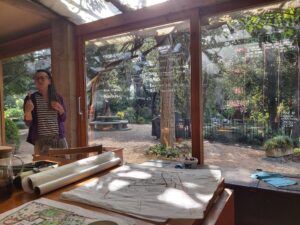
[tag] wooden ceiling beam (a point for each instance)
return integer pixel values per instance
(119, 6)
(32, 7)
(152, 12)
(138, 25)
(33, 42)
(225, 7)
(163, 10)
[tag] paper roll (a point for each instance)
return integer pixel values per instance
(50, 180)
(18, 179)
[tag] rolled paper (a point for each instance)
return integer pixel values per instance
(50, 180)
(18, 179)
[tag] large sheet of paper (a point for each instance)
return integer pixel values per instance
(45, 211)
(151, 192)
(50, 180)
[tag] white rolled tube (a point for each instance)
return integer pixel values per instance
(50, 180)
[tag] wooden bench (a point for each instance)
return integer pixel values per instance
(117, 125)
(69, 155)
(64, 156)
(117, 151)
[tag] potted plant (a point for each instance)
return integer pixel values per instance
(279, 146)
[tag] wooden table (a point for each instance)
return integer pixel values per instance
(221, 208)
(259, 203)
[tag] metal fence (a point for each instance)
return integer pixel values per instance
(238, 131)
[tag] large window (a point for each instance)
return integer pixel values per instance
(17, 82)
(251, 89)
(138, 89)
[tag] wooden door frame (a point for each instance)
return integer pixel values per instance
(2, 121)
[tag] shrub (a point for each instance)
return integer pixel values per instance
(12, 133)
(130, 115)
(19, 103)
(14, 113)
(281, 141)
(140, 120)
(228, 112)
(209, 135)
(121, 115)
(297, 152)
(145, 112)
(161, 150)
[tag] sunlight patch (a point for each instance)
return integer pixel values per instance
(178, 198)
(116, 185)
(136, 174)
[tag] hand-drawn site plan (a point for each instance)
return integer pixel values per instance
(47, 212)
(151, 192)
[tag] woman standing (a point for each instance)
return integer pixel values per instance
(45, 114)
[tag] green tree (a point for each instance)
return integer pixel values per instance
(271, 27)
(17, 78)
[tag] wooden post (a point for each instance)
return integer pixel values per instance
(81, 93)
(2, 121)
(64, 75)
(196, 87)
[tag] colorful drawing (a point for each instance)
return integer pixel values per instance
(48, 212)
(38, 213)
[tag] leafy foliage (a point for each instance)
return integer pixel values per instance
(284, 23)
(130, 115)
(297, 152)
(162, 150)
(12, 133)
(258, 80)
(121, 115)
(283, 142)
(14, 113)
(17, 78)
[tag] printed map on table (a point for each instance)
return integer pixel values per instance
(48, 212)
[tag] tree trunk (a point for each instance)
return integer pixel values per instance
(298, 87)
(167, 112)
(271, 71)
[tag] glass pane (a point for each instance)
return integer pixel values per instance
(18, 81)
(138, 4)
(138, 88)
(251, 89)
(80, 12)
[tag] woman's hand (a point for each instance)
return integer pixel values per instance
(29, 105)
(28, 109)
(57, 107)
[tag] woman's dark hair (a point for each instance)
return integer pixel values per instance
(52, 94)
(46, 72)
